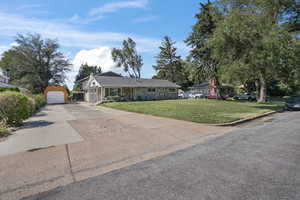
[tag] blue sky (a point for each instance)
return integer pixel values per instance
(87, 30)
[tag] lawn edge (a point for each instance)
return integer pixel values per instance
(241, 121)
(233, 123)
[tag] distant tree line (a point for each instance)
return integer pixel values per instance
(254, 43)
(34, 63)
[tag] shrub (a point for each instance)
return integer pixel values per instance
(40, 100)
(14, 108)
(3, 130)
(32, 107)
(9, 89)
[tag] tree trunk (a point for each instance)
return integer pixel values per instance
(218, 89)
(257, 86)
(263, 89)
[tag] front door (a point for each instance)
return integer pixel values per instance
(128, 93)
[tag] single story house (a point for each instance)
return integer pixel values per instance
(207, 88)
(3, 78)
(98, 88)
(4, 83)
(202, 88)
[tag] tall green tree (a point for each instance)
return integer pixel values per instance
(206, 66)
(169, 65)
(35, 62)
(253, 42)
(128, 58)
(86, 70)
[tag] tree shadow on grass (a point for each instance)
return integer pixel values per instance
(269, 107)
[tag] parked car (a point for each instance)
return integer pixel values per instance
(196, 95)
(215, 96)
(183, 95)
(293, 103)
(245, 96)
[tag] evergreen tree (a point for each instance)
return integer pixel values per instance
(206, 67)
(168, 64)
(85, 71)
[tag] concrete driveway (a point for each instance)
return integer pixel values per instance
(258, 162)
(85, 141)
(48, 128)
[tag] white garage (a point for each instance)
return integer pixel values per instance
(54, 97)
(56, 94)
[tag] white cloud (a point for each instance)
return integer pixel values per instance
(145, 19)
(76, 19)
(68, 35)
(100, 56)
(4, 48)
(116, 6)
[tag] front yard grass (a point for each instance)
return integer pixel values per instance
(197, 110)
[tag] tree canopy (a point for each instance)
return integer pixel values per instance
(251, 42)
(86, 70)
(34, 63)
(128, 58)
(205, 65)
(168, 63)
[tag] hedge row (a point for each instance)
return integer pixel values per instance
(9, 89)
(16, 107)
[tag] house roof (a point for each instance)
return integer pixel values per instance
(206, 84)
(5, 85)
(109, 73)
(201, 85)
(110, 81)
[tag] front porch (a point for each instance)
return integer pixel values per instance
(100, 94)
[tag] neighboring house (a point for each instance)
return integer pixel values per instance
(3, 77)
(208, 88)
(202, 88)
(104, 87)
(4, 83)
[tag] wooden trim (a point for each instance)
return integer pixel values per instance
(56, 88)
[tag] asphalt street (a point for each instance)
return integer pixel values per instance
(259, 161)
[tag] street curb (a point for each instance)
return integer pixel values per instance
(238, 122)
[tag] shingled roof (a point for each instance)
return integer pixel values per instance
(109, 81)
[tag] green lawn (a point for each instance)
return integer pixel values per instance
(197, 110)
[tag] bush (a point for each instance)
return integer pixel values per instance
(39, 100)
(32, 107)
(14, 108)
(9, 89)
(3, 130)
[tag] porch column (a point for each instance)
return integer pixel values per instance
(102, 93)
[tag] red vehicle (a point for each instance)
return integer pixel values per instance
(215, 96)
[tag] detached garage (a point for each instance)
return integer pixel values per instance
(56, 94)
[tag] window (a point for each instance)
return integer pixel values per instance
(151, 89)
(115, 92)
(112, 92)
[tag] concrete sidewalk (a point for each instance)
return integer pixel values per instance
(112, 140)
(46, 129)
